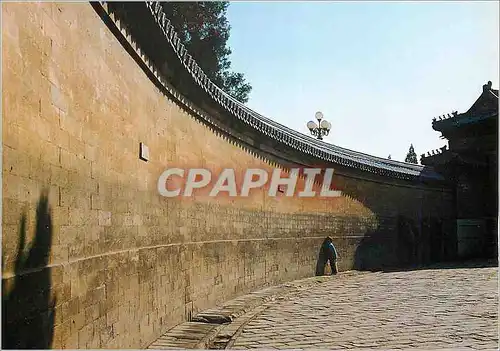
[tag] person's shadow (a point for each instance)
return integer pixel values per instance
(27, 308)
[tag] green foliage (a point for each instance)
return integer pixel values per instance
(204, 30)
(411, 156)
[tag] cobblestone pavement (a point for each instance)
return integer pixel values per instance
(430, 309)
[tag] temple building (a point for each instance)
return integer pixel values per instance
(470, 164)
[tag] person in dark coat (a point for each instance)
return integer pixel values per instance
(327, 253)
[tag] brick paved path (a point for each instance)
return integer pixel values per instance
(431, 309)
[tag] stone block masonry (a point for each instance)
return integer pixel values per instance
(92, 255)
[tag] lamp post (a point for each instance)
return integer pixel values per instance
(321, 129)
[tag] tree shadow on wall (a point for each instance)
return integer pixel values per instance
(378, 251)
(372, 253)
(27, 308)
(396, 243)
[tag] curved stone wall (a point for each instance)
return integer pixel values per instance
(94, 257)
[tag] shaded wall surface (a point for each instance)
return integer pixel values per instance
(113, 264)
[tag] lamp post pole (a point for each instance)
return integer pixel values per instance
(321, 129)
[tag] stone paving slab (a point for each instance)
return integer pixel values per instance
(208, 328)
(426, 309)
(185, 336)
